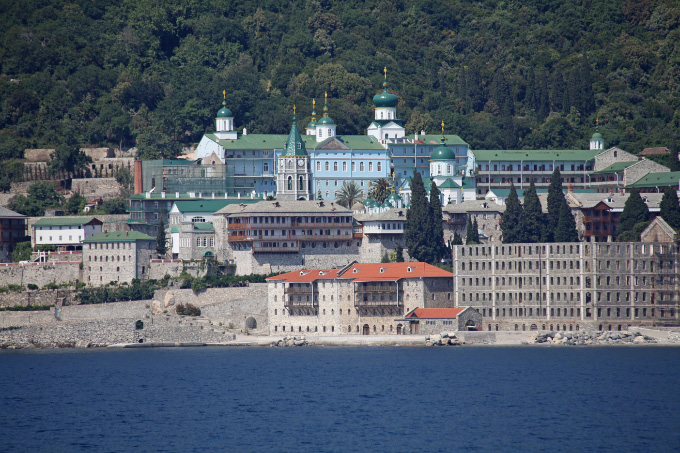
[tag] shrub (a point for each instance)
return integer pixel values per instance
(27, 308)
(32, 286)
(13, 287)
(188, 310)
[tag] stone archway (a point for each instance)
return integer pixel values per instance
(366, 330)
(251, 323)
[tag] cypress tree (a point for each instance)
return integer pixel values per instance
(161, 241)
(457, 240)
(566, 226)
(512, 224)
(670, 208)
(555, 197)
(475, 232)
(469, 234)
(419, 223)
(437, 237)
(533, 215)
(635, 211)
(399, 254)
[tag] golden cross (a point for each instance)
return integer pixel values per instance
(325, 96)
(293, 109)
(313, 103)
(442, 127)
(385, 72)
(597, 121)
(224, 93)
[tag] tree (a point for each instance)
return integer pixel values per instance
(635, 212)
(161, 241)
(69, 159)
(349, 194)
(5, 184)
(566, 226)
(555, 197)
(22, 252)
(419, 223)
(533, 215)
(41, 195)
(385, 257)
(469, 234)
(437, 229)
(457, 240)
(75, 204)
(399, 254)
(512, 220)
(379, 190)
(475, 231)
(670, 208)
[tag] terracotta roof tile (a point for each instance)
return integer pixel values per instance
(306, 276)
(435, 313)
(374, 271)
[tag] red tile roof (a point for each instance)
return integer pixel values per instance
(392, 271)
(306, 276)
(366, 272)
(435, 313)
(654, 151)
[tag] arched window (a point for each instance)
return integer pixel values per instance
(448, 169)
(290, 183)
(301, 184)
(318, 166)
(335, 166)
(289, 164)
(198, 219)
(370, 166)
(327, 166)
(379, 166)
(329, 131)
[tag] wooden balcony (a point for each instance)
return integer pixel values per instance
(360, 303)
(301, 303)
(307, 289)
(293, 249)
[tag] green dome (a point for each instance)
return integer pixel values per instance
(369, 202)
(442, 153)
(224, 113)
(596, 136)
(385, 99)
(394, 196)
(311, 125)
(326, 120)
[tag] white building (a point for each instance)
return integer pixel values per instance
(64, 232)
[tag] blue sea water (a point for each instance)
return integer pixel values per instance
(395, 399)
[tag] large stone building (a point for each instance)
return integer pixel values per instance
(572, 286)
(360, 298)
(117, 257)
(431, 321)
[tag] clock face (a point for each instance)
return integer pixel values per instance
(301, 162)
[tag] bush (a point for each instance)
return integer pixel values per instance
(32, 286)
(28, 308)
(188, 310)
(16, 288)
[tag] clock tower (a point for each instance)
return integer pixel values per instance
(293, 172)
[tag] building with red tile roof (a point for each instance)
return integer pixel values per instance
(361, 298)
(437, 320)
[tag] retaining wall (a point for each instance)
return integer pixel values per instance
(39, 273)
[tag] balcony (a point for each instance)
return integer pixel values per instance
(261, 249)
(289, 303)
(360, 303)
(307, 289)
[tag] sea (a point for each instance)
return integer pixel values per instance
(341, 399)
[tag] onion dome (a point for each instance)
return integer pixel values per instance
(442, 152)
(385, 99)
(224, 112)
(325, 120)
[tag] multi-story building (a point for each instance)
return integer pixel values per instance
(656, 182)
(65, 233)
(360, 298)
(148, 208)
(572, 286)
(12, 231)
(192, 234)
(117, 257)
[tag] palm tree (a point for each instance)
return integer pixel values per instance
(380, 190)
(349, 194)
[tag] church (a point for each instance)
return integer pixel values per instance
(316, 164)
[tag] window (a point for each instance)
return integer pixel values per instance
(354, 166)
(361, 166)
(379, 166)
(344, 166)
(335, 166)
(265, 167)
(198, 242)
(370, 166)
(327, 166)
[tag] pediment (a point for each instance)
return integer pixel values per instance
(332, 143)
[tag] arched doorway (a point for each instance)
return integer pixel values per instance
(366, 330)
(399, 328)
(470, 325)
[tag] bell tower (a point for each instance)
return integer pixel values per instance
(293, 174)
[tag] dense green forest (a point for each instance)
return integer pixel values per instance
(501, 74)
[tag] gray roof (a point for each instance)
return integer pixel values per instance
(4, 212)
(614, 201)
(285, 208)
(473, 206)
(390, 214)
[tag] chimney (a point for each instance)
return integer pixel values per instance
(242, 206)
(611, 192)
(332, 207)
(176, 194)
(126, 233)
(570, 188)
(162, 194)
(277, 204)
(245, 131)
(623, 192)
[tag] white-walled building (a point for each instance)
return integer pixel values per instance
(66, 233)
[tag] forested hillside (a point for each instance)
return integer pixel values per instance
(501, 74)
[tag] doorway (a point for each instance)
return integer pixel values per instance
(366, 330)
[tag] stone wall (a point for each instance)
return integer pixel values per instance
(611, 156)
(75, 256)
(94, 188)
(98, 153)
(160, 268)
(33, 298)
(637, 171)
(39, 274)
(38, 155)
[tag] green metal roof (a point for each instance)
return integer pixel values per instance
(381, 123)
(436, 139)
(613, 168)
(442, 153)
(66, 221)
(170, 196)
(385, 99)
(204, 226)
(224, 113)
(449, 184)
(174, 230)
(665, 179)
(277, 141)
(120, 236)
(326, 120)
(210, 205)
(295, 146)
(469, 183)
(533, 155)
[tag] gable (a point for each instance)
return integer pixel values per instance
(333, 143)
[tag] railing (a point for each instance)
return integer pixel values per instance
(375, 288)
(324, 237)
(301, 303)
(293, 249)
(376, 303)
(298, 290)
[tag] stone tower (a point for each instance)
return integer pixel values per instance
(293, 175)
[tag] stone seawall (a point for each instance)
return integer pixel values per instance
(40, 274)
(33, 298)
